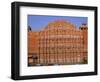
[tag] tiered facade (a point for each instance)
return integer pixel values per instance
(59, 43)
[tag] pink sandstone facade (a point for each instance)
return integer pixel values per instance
(59, 43)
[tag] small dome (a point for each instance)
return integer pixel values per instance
(29, 28)
(83, 26)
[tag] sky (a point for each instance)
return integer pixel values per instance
(37, 22)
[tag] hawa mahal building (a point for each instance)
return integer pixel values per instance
(59, 43)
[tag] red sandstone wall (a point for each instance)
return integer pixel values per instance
(38, 42)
